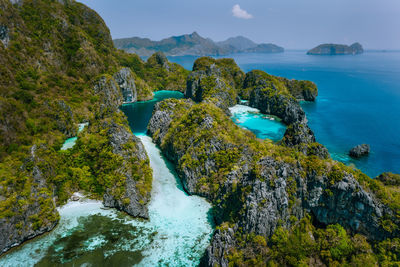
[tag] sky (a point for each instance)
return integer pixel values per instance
(293, 24)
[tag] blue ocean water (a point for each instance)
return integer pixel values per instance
(358, 102)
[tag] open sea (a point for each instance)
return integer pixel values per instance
(358, 102)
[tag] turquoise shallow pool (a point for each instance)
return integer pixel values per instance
(70, 142)
(263, 126)
(358, 102)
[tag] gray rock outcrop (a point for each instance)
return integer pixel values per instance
(359, 151)
(264, 193)
(22, 225)
(126, 83)
(132, 202)
(4, 35)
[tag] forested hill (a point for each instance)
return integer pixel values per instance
(58, 68)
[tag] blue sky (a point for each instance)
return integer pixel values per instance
(293, 24)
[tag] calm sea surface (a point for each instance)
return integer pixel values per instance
(358, 102)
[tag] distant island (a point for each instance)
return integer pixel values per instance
(194, 45)
(336, 49)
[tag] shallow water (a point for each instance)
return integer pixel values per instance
(261, 125)
(358, 102)
(70, 142)
(176, 234)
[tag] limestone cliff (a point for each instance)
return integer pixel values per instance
(59, 68)
(257, 187)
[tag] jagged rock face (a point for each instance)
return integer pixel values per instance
(347, 203)
(268, 192)
(132, 202)
(222, 242)
(110, 95)
(20, 227)
(281, 193)
(301, 90)
(203, 85)
(298, 133)
(65, 119)
(270, 96)
(267, 204)
(270, 101)
(160, 121)
(126, 83)
(4, 36)
(360, 151)
(159, 59)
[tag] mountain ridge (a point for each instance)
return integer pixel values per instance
(193, 44)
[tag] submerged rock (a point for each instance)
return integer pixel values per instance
(359, 151)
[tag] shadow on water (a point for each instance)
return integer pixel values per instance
(99, 240)
(139, 113)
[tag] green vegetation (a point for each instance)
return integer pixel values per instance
(57, 52)
(205, 144)
(155, 74)
(227, 68)
(306, 245)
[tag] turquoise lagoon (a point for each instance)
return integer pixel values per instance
(176, 234)
(263, 126)
(358, 102)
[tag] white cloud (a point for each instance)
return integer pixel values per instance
(240, 13)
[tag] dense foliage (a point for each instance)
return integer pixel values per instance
(204, 143)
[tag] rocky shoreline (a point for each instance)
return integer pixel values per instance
(256, 190)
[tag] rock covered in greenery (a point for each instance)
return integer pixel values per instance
(336, 49)
(216, 81)
(301, 90)
(270, 96)
(164, 75)
(60, 68)
(359, 151)
(136, 190)
(259, 189)
(126, 84)
(31, 211)
(390, 179)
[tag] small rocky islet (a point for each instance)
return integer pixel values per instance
(282, 203)
(337, 49)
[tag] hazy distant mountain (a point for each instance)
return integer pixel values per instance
(239, 43)
(193, 44)
(265, 48)
(336, 49)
